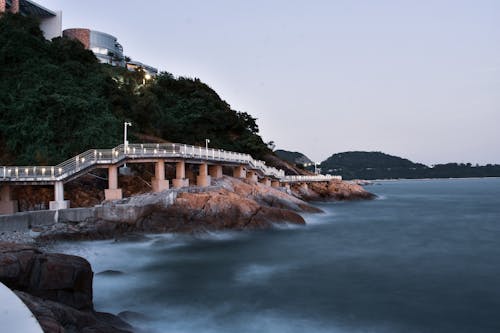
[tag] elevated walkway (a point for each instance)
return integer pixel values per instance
(209, 163)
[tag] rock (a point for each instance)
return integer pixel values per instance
(58, 277)
(216, 211)
(59, 318)
(110, 272)
(57, 288)
(230, 204)
(333, 190)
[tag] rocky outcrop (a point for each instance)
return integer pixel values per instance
(230, 204)
(57, 288)
(56, 317)
(58, 277)
(332, 190)
(216, 211)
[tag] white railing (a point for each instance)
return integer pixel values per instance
(313, 178)
(94, 157)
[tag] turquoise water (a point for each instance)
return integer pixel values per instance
(424, 257)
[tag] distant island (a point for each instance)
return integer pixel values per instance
(377, 165)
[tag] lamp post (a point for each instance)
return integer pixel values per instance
(207, 141)
(125, 141)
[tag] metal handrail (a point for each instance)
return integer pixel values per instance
(93, 157)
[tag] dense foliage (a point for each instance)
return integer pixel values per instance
(57, 100)
(52, 96)
(293, 157)
(377, 165)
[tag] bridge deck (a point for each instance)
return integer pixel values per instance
(142, 153)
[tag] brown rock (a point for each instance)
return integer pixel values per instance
(59, 318)
(58, 277)
(333, 190)
(216, 211)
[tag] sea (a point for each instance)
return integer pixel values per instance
(422, 257)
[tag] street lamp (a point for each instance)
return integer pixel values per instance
(125, 141)
(207, 141)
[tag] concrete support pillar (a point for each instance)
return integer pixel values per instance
(113, 192)
(266, 181)
(215, 171)
(14, 8)
(180, 175)
(275, 183)
(7, 206)
(239, 172)
(252, 176)
(158, 182)
(2, 6)
(203, 179)
(59, 202)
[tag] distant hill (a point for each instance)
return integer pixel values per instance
(377, 165)
(292, 156)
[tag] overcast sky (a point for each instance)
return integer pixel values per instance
(417, 79)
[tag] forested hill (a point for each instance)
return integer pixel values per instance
(57, 100)
(377, 165)
(292, 157)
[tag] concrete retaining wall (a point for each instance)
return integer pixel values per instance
(26, 220)
(126, 210)
(75, 214)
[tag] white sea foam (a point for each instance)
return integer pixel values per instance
(220, 235)
(287, 226)
(258, 273)
(222, 320)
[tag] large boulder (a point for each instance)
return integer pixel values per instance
(57, 288)
(58, 277)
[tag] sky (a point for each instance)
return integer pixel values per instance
(418, 79)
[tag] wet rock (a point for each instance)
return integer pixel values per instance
(57, 288)
(56, 317)
(230, 204)
(332, 190)
(58, 277)
(110, 272)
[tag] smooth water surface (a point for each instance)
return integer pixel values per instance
(423, 257)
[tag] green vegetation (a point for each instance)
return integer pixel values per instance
(293, 157)
(57, 100)
(377, 165)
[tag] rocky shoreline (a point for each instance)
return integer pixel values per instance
(58, 288)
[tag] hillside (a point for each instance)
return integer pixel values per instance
(57, 100)
(377, 165)
(292, 157)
